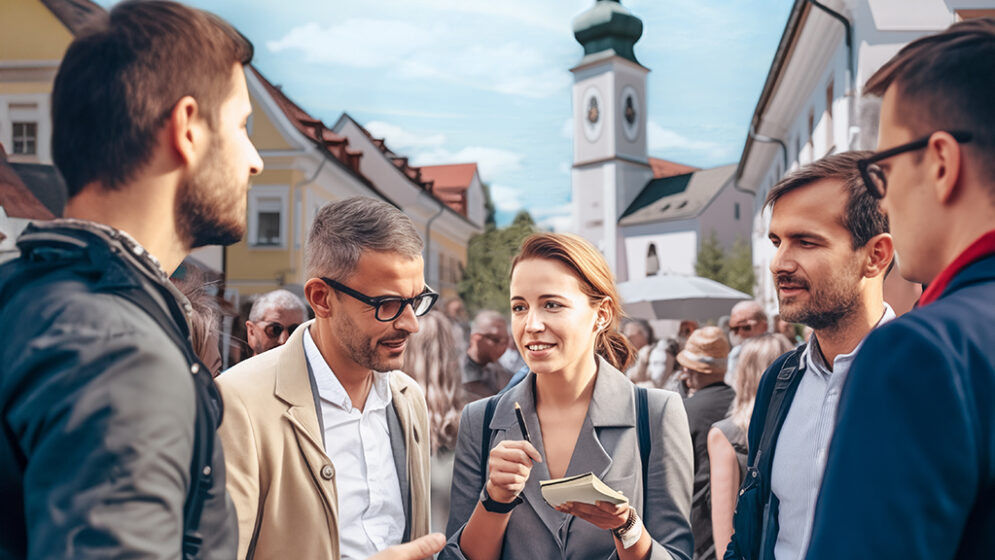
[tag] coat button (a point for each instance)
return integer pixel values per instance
(327, 472)
(207, 470)
(194, 369)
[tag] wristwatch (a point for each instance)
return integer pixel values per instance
(630, 531)
(494, 506)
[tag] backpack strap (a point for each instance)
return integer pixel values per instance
(207, 419)
(645, 441)
(485, 438)
(783, 393)
(43, 253)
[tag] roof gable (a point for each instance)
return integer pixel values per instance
(677, 197)
(16, 199)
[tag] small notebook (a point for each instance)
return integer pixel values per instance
(583, 488)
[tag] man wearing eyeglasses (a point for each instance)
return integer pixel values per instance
(746, 320)
(272, 319)
(911, 472)
(482, 375)
(327, 443)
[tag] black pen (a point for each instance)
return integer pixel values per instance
(521, 423)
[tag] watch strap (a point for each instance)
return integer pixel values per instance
(630, 531)
(494, 506)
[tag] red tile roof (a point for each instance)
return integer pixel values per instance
(450, 183)
(335, 145)
(16, 199)
(665, 168)
(450, 176)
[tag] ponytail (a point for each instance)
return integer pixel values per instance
(615, 349)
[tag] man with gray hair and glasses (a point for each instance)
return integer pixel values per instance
(327, 443)
(272, 319)
(482, 375)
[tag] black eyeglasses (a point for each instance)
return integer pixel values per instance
(747, 326)
(873, 175)
(274, 330)
(388, 308)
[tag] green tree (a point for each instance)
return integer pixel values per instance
(738, 267)
(710, 259)
(734, 269)
(488, 264)
(488, 206)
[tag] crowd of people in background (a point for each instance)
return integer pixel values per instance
(361, 420)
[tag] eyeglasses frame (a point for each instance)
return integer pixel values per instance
(376, 302)
(289, 328)
(865, 165)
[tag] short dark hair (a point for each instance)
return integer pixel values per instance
(121, 78)
(946, 81)
(863, 216)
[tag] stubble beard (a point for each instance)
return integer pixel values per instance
(828, 305)
(208, 210)
(362, 349)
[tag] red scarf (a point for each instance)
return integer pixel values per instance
(983, 247)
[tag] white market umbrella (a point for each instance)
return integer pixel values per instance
(671, 296)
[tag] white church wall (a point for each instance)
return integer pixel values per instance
(676, 247)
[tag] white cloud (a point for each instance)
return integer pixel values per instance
(567, 130)
(413, 51)
(399, 138)
(372, 43)
(505, 198)
(547, 15)
(661, 140)
(492, 162)
(557, 218)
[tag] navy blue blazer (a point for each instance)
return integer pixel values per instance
(911, 469)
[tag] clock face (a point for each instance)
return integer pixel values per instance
(591, 113)
(630, 111)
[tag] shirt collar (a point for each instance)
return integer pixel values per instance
(330, 389)
(813, 355)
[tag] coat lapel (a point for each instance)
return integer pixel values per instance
(607, 417)
(506, 427)
(294, 388)
(414, 482)
(398, 449)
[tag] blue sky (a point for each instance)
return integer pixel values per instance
(450, 81)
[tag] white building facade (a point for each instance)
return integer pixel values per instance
(811, 104)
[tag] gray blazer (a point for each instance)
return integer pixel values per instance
(608, 447)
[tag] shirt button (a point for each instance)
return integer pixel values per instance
(207, 470)
(327, 472)
(194, 369)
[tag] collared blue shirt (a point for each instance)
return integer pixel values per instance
(803, 444)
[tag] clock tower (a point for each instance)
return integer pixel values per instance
(610, 164)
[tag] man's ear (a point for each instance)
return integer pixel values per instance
(186, 130)
(944, 170)
(318, 294)
(880, 252)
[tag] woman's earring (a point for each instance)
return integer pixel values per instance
(601, 324)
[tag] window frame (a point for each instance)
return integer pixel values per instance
(256, 194)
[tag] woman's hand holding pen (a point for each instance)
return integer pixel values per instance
(510, 464)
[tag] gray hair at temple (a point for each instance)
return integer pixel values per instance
(345, 229)
(277, 299)
(486, 318)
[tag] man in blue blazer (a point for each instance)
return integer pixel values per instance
(911, 470)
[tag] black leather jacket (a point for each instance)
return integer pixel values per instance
(103, 429)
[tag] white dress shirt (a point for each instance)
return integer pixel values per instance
(371, 515)
(805, 435)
